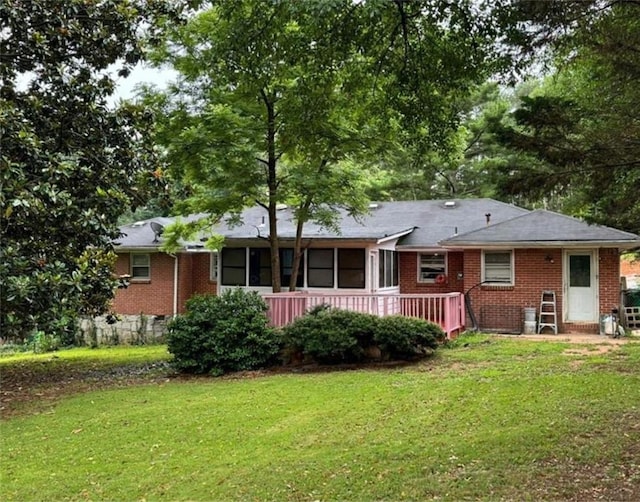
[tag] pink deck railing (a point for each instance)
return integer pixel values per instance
(447, 309)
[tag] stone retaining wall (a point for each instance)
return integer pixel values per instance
(124, 329)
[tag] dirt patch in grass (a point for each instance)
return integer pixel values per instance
(614, 479)
(567, 479)
(42, 384)
(36, 386)
(592, 350)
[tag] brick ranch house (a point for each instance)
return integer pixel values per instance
(502, 256)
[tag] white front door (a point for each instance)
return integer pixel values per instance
(581, 286)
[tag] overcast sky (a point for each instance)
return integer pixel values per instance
(126, 87)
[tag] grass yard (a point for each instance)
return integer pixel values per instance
(489, 419)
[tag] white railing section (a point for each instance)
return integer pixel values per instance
(446, 310)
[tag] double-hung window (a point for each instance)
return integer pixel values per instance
(497, 267)
(140, 266)
(430, 266)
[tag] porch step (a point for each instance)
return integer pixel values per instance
(548, 316)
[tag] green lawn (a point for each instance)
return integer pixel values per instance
(490, 419)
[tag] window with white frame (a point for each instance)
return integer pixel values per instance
(259, 267)
(140, 266)
(234, 266)
(351, 268)
(497, 267)
(387, 268)
(320, 268)
(430, 266)
(234, 262)
(213, 267)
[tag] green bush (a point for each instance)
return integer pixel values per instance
(41, 342)
(331, 336)
(219, 334)
(399, 337)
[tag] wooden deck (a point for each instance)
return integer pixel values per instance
(446, 310)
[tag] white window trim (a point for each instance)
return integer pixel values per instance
(512, 267)
(213, 267)
(419, 270)
(395, 268)
(148, 266)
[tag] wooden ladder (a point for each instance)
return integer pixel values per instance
(548, 317)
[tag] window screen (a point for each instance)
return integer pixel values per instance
(351, 268)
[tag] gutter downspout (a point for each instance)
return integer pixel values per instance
(175, 284)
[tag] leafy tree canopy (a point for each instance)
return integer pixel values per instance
(582, 125)
(67, 159)
(282, 102)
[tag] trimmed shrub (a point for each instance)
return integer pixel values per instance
(402, 337)
(219, 334)
(331, 336)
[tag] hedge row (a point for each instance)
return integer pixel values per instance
(230, 332)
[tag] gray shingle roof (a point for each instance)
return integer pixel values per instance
(431, 220)
(427, 224)
(436, 221)
(140, 235)
(543, 228)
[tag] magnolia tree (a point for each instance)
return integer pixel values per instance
(68, 160)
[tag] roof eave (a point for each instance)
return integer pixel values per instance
(130, 249)
(541, 244)
(154, 247)
(395, 236)
(305, 238)
(422, 247)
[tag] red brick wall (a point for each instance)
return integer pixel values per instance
(409, 275)
(151, 297)
(155, 296)
(609, 271)
(501, 307)
(200, 274)
(184, 279)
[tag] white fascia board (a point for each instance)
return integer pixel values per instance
(137, 249)
(546, 244)
(395, 236)
(311, 242)
(423, 249)
(198, 249)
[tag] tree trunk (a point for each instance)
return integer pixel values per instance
(275, 247)
(272, 184)
(297, 246)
